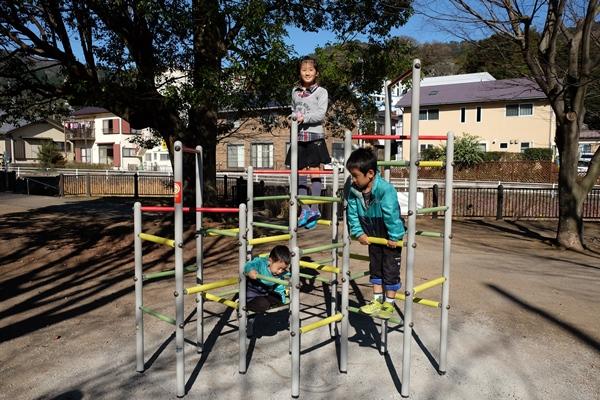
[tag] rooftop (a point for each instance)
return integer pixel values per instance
(476, 92)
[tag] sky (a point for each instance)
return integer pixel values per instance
(417, 27)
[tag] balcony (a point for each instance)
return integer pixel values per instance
(80, 134)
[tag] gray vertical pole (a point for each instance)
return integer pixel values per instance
(295, 328)
(345, 264)
(447, 252)
(383, 337)
(334, 252)
(139, 298)
(250, 209)
(295, 282)
(179, 310)
(387, 147)
(242, 315)
(199, 157)
(412, 224)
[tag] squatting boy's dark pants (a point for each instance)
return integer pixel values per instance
(263, 303)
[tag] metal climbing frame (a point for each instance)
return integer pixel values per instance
(409, 240)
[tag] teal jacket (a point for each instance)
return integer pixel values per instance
(255, 288)
(381, 218)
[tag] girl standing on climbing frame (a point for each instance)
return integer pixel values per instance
(309, 105)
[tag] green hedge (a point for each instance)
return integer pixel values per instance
(538, 154)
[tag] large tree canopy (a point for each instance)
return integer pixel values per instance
(559, 41)
(170, 65)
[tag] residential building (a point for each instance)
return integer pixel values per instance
(156, 158)
(507, 115)
(250, 143)
(23, 140)
(100, 137)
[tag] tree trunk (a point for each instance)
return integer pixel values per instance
(571, 195)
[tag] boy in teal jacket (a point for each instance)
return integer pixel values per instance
(262, 295)
(373, 210)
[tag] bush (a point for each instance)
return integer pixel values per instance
(50, 156)
(433, 153)
(538, 154)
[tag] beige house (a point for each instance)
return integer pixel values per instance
(507, 115)
(22, 143)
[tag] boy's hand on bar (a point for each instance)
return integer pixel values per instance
(392, 244)
(363, 239)
(252, 274)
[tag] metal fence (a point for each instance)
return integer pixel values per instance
(505, 202)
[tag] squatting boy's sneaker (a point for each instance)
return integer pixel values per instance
(373, 307)
(386, 311)
(303, 218)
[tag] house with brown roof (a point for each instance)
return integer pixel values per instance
(507, 115)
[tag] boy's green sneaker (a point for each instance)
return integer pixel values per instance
(373, 307)
(386, 311)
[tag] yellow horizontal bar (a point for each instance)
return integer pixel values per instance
(320, 267)
(308, 202)
(431, 163)
(429, 284)
(323, 322)
(324, 222)
(228, 229)
(157, 239)
(383, 241)
(423, 302)
(213, 285)
(269, 239)
(217, 299)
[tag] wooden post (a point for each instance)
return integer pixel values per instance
(435, 199)
(61, 185)
(88, 184)
(136, 185)
(500, 202)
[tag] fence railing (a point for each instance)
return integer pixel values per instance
(468, 202)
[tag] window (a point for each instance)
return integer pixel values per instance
(86, 155)
(478, 118)
(524, 146)
(235, 156)
(503, 146)
(108, 126)
(519, 110)
(483, 146)
(164, 157)
(337, 151)
(106, 154)
(585, 148)
(262, 155)
(128, 152)
(463, 114)
(148, 157)
(429, 114)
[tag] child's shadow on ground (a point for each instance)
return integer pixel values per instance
(270, 323)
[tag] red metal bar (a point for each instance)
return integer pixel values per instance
(398, 137)
(217, 210)
(287, 172)
(190, 150)
(187, 209)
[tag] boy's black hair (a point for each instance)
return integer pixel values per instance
(362, 159)
(280, 253)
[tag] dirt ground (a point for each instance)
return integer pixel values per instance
(524, 322)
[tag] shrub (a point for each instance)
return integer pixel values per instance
(50, 156)
(538, 154)
(433, 153)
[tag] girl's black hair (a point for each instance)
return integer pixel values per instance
(308, 59)
(363, 160)
(280, 253)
